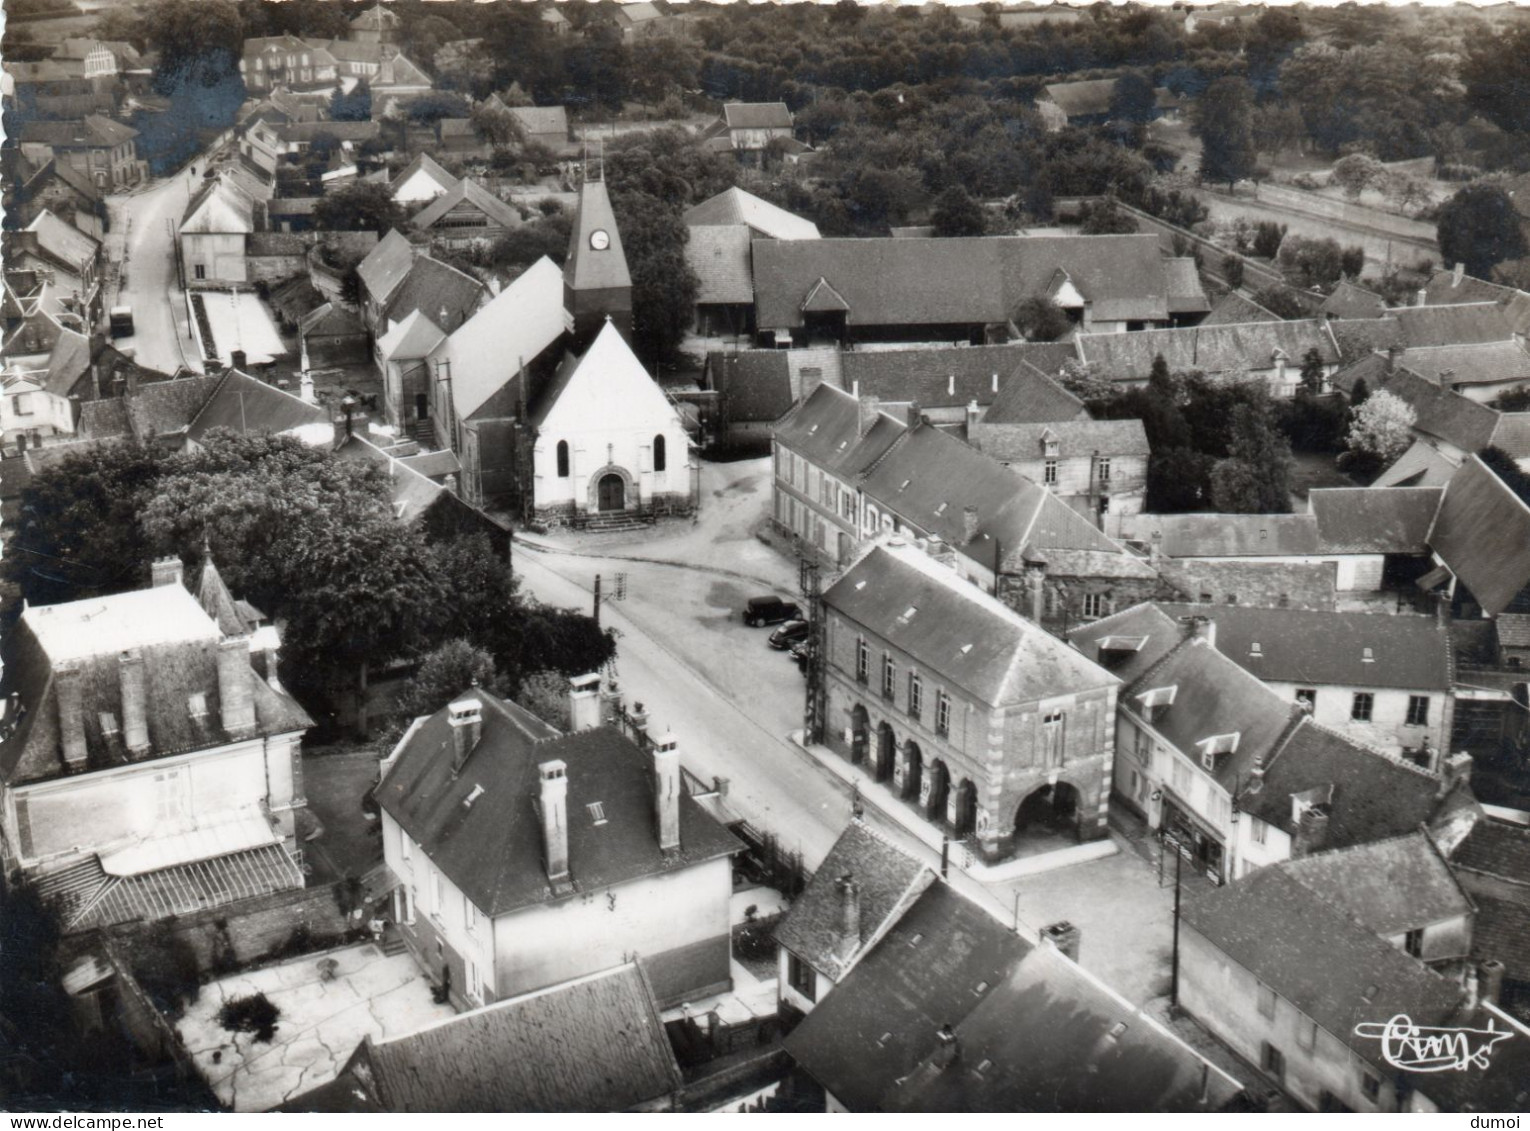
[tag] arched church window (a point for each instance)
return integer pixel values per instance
(562, 459)
(659, 460)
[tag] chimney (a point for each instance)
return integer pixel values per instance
(554, 805)
(870, 407)
(465, 717)
(132, 381)
(95, 380)
(666, 791)
(1035, 580)
(948, 1049)
(1456, 274)
(969, 524)
(1065, 937)
(1457, 771)
(849, 917)
(305, 387)
(1418, 299)
(1311, 831)
(973, 412)
(236, 688)
(135, 701)
(584, 702)
(71, 713)
(236, 358)
(1203, 627)
(167, 571)
(1490, 974)
(950, 384)
(1393, 353)
(915, 415)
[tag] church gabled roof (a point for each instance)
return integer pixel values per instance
(608, 373)
(589, 268)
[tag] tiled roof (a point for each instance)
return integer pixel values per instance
(932, 968)
(1137, 638)
(735, 206)
(1075, 438)
(1089, 98)
(638, 12)
(1457, 325)
(1391, 886)
(757, 116)
(246, 404)
(1513, 434)
(1228, 535)
(1052, 1038)
(719, 257)
(1186, 295)
(824, 430)
(219, 207)
(1422, 465)
(514, 328)
(586, 268)
(1030, 396)
(92, 131)
(961, 281)
(1361, 337)
(63, 240)
(1499, 931)
(168, 407)
(448, 295)
(1496, 848)
(593, 1044)
(1513, 631)
(888, 881)
(411, 492)
(67, 363)
(756, 385)
(1350, 301)
(386, 265)
(470, 192)
(1485, 363)
(954, 376)
(1224, 348)
(424, 163)
(539, 121)
(968, 638)
(1437, 412)
(1333, 970)
(329, 320)
(492, 851)
(1443, 288)
(1482, 533)
(1233, 308)
(415, 336)
(1358, 520)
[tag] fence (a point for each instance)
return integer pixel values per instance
(1343, 211)
(1256, 275)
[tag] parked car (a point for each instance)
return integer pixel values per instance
(792, 632)
(770, 610)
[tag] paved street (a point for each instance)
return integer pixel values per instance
(142, 244)
(686, 655)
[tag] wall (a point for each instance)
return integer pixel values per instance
(220, 255)
(613, 445)
(803, 508)
(1388, 729)
(1309, 587)
(95, 812)
(46, 414)
(275, 268)
(1224, 997)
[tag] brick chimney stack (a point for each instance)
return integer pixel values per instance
(1311, 831)
(973, 412)
(71, 712)
(236, 687)
(1204, 628)
(869, 408)
(969, 524)
(584, 702)
(849, 893)
(135, 701)
(168, 571)
(948, 1049)
(915, 415)
(465, 717)
(1490, 981)
(666, 791)
(554, 806)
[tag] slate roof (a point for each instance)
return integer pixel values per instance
(1089, 98)
(719, 257)
(245, 404)
(329, 320)
(1422, 465)
(977, 643)
(90, 132)
(1443, 288)
(1213, 349)
(757, 116)
(410, 491)
(515, 327)
(415, 336)
(471, 192)
(540, 121)
(756, 385)
(1361, 337)
(1333, 970)
(735, 206)
(1230, 535)
(1052, 1038)
(593, 1044)
(179, 647)
(879, 1024)
(67, 363)
(824, 430)
(1350, 301)
(954, 376)
(1358, 520)
(1438, 412)
(1513, 434)
(493, 852)
(1455, 325)
(1499, 931)
(168, 407)
(586, 269)
(1138, 638)
(1029, 396)
(1482, 533)
(386, 265)
(889, 880)
(63, 240)
(434, 287)
(1391, 886)
(1075, 438)
(1186, 295)
(1496, 848)
(1371, 795)
(964, 281)
(1484, 363)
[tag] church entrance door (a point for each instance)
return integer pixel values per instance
(613, 493)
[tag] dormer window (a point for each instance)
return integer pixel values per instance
(1256, 651)
(1215, 745)
(1049, 444)
(196, 705)
(1158, 697)
(109, 727)
(1367, 656)
(597, 812)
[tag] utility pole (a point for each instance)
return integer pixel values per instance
(813, 707)
(596, 613)
(1174, 973)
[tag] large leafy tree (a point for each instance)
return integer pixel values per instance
(1256, 476)
(1497, 82)
(1133, 99)
(1223, 119)
(357, 208)
(957, 214)
(1479, 227)
(1382, 427)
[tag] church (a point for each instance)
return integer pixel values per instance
(548, 410)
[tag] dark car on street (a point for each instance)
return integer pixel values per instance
(792, 632)
(770, 610)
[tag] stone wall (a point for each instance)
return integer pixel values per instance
(1276, 586)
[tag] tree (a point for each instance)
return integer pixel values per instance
(428, 109)
(1497, 84)
(353, 107)
(1382, 427)
(1041, 320)
(1479, 227)
(445, 672)
(1352, 261)
(1281, 300)
(1405, 191)
(1133, 99)
(1256, 476)
(1178, 481)
(357, 208)
(1358, 172)
(1311, 262)
(1103, 218)
(1232, 271)
(957, 214)
(663, 284)
(1516, 399)
(199, 43)
(1235, 487)
(1312, 373)
(497, 127)
(1359, 393)
(1223, 120)
(1084, 384)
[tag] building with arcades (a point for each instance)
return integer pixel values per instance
(991, 727)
